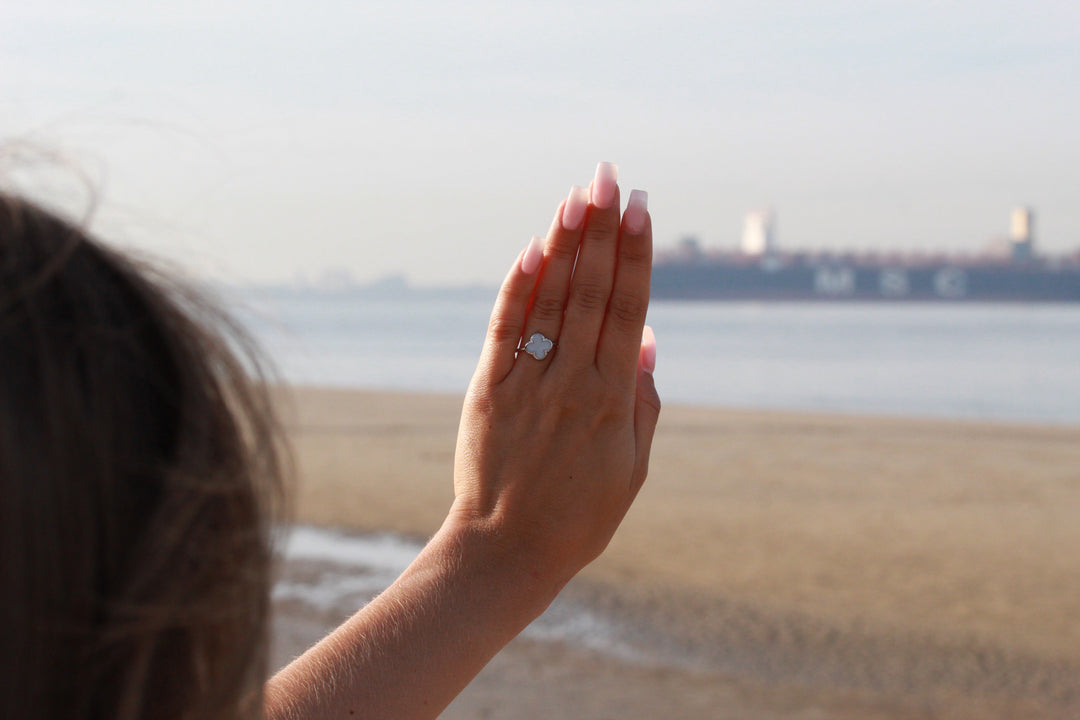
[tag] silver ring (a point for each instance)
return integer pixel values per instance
(538, 346)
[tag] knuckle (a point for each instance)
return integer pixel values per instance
(627, 311)
(606, 400)
(547, 308)
(590, 295)
(573, 391)
(618, 396)
(611, 408)
(635, 255)
(563, 249)
(501, 330)
(650, 397)
(600, 232)
(510, 295)
(574, 405)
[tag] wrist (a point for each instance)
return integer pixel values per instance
(500, 566)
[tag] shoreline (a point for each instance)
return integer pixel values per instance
(748, 410)
(933, 560)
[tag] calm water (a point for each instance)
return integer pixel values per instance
(1000, 362)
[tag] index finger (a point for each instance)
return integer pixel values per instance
(620, 337)
(507, 321)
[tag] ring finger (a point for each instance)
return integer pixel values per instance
(545, 315)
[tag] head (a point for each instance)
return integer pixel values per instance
(139, 479)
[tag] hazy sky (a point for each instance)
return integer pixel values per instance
(266, 140)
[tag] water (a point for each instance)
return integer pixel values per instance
(990, 362)
(352, 569)
(996, 362)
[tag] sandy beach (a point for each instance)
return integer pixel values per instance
(776, 565)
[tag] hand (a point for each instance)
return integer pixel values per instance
(550, 455)
(552, 452)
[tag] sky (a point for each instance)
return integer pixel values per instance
(285, 141)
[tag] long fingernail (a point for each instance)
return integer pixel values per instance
(603, 187)
(648, 350)
(574, 210)
(534, 255)
(636, 207)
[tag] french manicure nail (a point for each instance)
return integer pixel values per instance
(636, 207)
(534, 255)
(574, 210)
(603, 187)
(648, 350)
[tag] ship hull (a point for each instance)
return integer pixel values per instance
(704, 280)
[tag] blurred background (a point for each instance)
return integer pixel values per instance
(327, 146)
(278, 141)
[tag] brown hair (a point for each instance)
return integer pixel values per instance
(139, 479)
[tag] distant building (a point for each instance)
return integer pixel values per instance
(1022, 233)
(758, 232)
(689, 247)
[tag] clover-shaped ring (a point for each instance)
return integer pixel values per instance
(538, 346)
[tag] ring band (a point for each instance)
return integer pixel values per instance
(538, 346)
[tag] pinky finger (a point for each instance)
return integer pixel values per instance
(508, 317)
(646, 408)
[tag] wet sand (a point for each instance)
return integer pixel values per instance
(775, 564)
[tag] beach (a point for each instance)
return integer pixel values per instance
(775, 564)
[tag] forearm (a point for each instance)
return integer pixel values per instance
(410, 651)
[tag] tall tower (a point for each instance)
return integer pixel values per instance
(758, 229)
(1022, 233)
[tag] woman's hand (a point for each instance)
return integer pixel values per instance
(550, 454)
(552, 451)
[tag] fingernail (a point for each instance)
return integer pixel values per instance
(603, 187)
(574, 210)
(648, 350)
(636, 207)
(534, 255)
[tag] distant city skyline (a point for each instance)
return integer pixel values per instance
(759, 236)
(262, 141)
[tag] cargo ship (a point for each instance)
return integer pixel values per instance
(758, 271)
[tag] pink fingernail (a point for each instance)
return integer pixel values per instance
(648, 350)
(534, 255)
(603, 187)
(574, 210)
(636, 208)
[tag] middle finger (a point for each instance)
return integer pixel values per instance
(594, 273)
